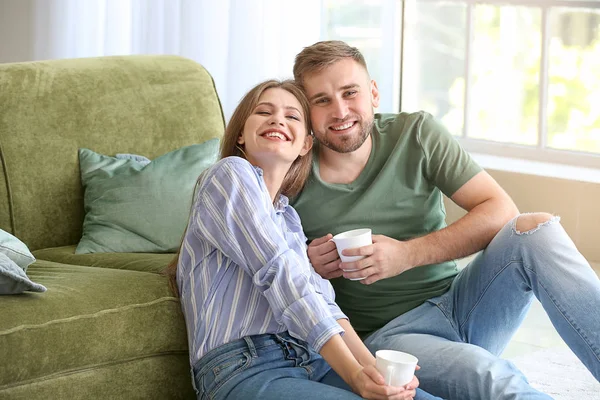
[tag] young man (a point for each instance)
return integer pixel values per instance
(388, 172)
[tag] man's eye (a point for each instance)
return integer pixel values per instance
(321, 101)
(351, 93)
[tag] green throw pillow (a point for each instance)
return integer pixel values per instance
(132, 207)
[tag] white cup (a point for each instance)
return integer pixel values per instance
(397, 367)
(350, 240)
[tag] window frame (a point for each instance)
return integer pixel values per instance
(539, 152)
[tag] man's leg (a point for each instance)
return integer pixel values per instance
(450, 368)
(532, 255)
(487, 303)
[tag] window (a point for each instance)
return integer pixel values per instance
(373, 26)
(508, 77)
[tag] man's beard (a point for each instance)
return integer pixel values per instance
(347, 143)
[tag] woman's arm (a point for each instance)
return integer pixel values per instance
(364, 380)
(356, 345)
(234, 213)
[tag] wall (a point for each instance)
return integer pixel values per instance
(15, 31)
(577, 203)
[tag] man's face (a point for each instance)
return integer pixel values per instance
(342, 98)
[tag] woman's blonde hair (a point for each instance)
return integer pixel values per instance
(298, 172)
(320, 55)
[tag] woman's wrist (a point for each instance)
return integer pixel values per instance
(367, 359)
(341, 359)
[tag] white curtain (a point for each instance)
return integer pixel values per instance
(240, 42)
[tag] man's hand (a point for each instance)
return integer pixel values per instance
(385, 258)
(324, 257)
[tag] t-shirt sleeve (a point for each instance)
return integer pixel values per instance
(448, 166)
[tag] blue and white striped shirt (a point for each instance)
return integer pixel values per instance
(243, 268)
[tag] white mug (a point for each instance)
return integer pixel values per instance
(350, 240)
(397, 367)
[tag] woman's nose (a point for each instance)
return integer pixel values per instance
(276, 120)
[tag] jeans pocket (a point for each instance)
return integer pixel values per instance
(220, 372)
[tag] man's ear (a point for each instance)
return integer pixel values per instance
(374, 94)
(308, 144)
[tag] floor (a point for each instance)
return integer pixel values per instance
(536, 332)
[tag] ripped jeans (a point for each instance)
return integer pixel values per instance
(459, 336)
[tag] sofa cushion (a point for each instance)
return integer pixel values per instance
(92, 326)
(146, 262)
(132, 207)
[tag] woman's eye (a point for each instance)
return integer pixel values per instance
(294, 117)
(263, 113)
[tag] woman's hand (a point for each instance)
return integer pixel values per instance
(369, 384)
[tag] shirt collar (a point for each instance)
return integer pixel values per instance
(282, 202)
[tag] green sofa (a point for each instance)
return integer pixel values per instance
(108, 326)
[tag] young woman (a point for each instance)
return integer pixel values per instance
(261, 323)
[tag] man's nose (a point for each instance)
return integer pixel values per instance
(340, 109)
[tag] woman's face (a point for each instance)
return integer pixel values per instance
(275, 132)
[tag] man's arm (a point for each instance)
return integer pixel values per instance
(489, 209)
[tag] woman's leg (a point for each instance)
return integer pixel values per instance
(265, 367)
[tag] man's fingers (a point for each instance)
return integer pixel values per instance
(358, 265)
(357, 274)
(333, 266)
(329, 257)
(334, 274)
(326, 249)
(321, 240)
(359, 251)
(371, 279)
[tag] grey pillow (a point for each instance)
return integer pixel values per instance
(15, 250)
(15, 257)
(13, 279)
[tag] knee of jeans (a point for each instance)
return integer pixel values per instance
(531, 222)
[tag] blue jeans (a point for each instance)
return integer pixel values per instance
(459, 336)
(269, 367)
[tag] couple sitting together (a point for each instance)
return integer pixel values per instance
(268, 316)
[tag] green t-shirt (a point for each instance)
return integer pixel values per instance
(398, 194)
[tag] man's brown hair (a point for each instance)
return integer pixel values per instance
(320, 55)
